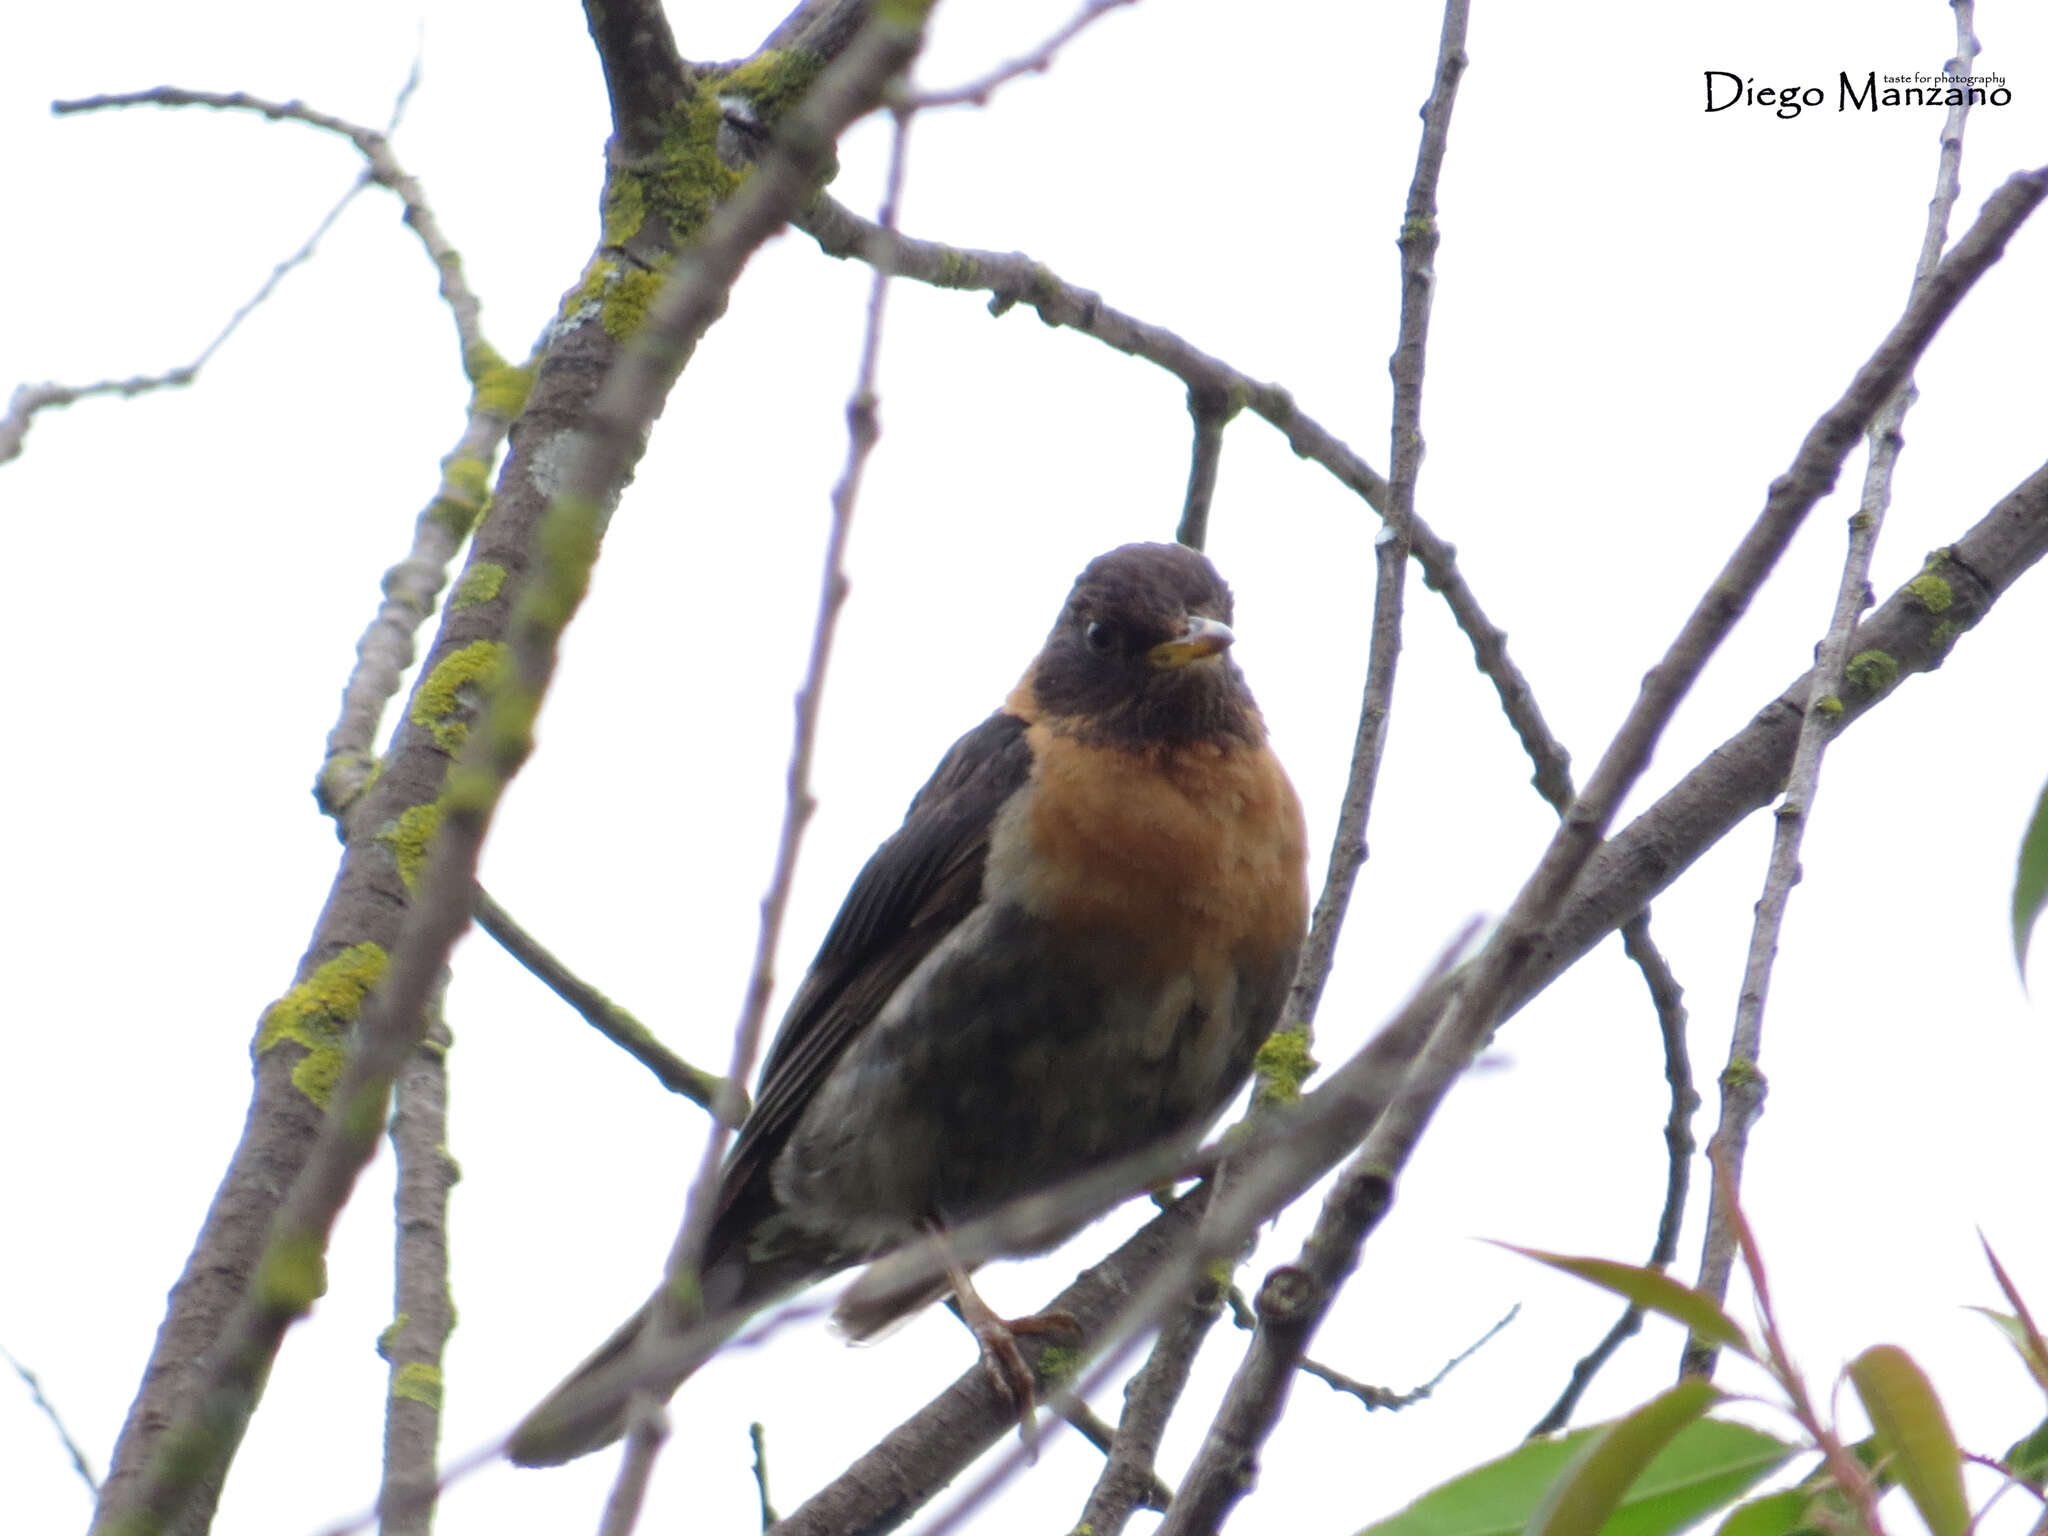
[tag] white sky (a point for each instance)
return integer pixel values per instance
(1641, 309)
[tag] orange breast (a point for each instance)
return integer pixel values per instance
(1196, 854)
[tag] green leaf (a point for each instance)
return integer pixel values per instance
(1654, 1291)
(1592, 1487)
(1775, 1514)
(1914, 1432)
(1706, 1464)
(2030, 882)
(2029, 1455)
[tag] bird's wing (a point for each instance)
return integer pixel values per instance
(912, 892)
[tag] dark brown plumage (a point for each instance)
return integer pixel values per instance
(1070, 951)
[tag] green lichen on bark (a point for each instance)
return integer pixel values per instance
(454, 691)
(418, 1382)
(480, 583)
(1283, 1065)
(1931, 592)
(316, 1015)
(409, 838)
(1871, 671)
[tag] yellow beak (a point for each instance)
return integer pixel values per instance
(1202, 637)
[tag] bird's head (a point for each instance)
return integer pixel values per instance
(1140, 654)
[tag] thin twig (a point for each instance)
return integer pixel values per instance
(1210, 413)
(1418, 242)
(383, 168)
(28, 399)
(603, 1015)
(49, 1411)
(1149, 1399)
(423, 1312)
(1380, 1397)
(1669, 999)
(1037, 62)
(1743, 1085)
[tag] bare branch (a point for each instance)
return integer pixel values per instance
(28, 399)
(1743, 1084)
(383, 168)
(1037, 62)
(423, 1311)
(1210, 413)
(605, 1016)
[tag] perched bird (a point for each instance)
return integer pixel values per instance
(1069, 952)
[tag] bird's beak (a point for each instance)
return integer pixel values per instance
(1202, 637)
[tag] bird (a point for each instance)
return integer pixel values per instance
(1069, 952)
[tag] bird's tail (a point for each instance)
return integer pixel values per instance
(594, 1404)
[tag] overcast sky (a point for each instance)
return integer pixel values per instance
(1641, 308)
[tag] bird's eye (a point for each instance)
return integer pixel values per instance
(1101, 637)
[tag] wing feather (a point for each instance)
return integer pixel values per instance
(911, 893)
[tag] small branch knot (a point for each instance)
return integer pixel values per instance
(1288, 1295)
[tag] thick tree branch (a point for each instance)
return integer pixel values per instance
(255, 1267)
